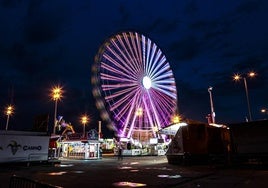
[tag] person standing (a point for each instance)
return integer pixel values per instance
(120, 152)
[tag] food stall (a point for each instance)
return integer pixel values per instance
(75, 146)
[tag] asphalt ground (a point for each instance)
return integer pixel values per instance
(146, 171)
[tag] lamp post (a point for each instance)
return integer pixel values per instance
(56, 94)
(211, 104)
(238, 77)
(9, 111)
(139, 113)
(84, 121)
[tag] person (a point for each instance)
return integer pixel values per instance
(120, 152)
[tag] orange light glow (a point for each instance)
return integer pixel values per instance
(84, 119)
(139, 112)
(263, 110)
(176, 119)
(237, 77)
(9, 110)
(56, 93)
(252, 74)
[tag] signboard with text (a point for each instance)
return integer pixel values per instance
(20, 148)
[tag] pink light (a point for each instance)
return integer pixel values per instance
(122, 63)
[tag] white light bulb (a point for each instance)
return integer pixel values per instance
(147, 83)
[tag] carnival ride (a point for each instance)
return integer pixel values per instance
(134, 86)
(62, 125)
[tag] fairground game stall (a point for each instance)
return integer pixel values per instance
(75, 146)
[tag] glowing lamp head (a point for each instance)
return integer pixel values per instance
(251, 74)
(237, 77)
(146, 82)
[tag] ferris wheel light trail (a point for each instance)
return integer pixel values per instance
(130, 73)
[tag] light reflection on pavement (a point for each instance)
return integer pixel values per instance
(152, 171)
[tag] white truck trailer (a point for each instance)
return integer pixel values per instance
(22, 146)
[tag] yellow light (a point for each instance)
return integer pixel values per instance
(176, 119)
(252, 74)
(56, 93)
(9, 110)
(139, 112)
(237, 77)
(263, 110)
(84, 119)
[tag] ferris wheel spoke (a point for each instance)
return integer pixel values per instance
(167, 90)
(147, 49)
(110, 68)
(136, 47)
(152, 104)
(159, 66)
(150, 117)
(128, 57)
(109, 77)
(122, 69)
(165, 101)
(156, 63)
(121, 61)
(164, 78)
(131, 45)
(119, 81)
(126, 91)
(118, 86)
(130, 114)
(139, 48)
(164, 71)
(152, 57)
(123, 99)
(111, 73)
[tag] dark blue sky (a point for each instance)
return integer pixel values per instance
(45, 43)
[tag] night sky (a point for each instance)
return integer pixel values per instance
(47, 43)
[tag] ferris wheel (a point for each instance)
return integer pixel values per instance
(134, 86)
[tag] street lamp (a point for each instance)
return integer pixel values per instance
(264, 111)
(56, 94)
(9, 111)
(139, 113)
(176, 119)
(238, 77)
(84, 121)
(211, 105)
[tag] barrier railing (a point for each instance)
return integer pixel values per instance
(21, 182)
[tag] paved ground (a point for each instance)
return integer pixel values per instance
(135, 172)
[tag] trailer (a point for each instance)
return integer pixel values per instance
(23, 146)
(199, 143)
(249, 141)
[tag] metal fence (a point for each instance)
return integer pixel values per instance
(21, 182)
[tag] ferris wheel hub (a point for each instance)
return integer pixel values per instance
(146, 82)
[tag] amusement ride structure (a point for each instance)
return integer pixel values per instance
(134, 86)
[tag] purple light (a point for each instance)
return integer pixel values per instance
(132, 72)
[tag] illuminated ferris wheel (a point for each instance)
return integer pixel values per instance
(134, 86)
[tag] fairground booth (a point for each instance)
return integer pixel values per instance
(77, 146)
